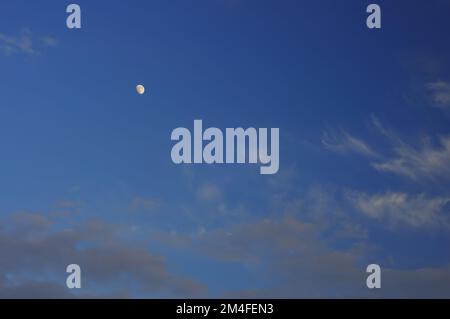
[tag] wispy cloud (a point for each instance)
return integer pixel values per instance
(343, 142)
(17, 44)
(426, 160)
(399, 208)
(24, 43)
(440, 93)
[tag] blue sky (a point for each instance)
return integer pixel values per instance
(87, 176)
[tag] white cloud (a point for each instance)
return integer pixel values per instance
(399, 208)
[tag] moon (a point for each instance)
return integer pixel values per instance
(140, 89)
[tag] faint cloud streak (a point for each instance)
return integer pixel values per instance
(440, 93)
(343, 142)
(23, 43)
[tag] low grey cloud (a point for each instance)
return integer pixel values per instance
(33, 289)
(314, 246)
(35, 247)
(304, 262)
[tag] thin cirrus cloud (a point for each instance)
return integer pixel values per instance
(424, 160)
(24, 43)
(398, 208)
(344, 142)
